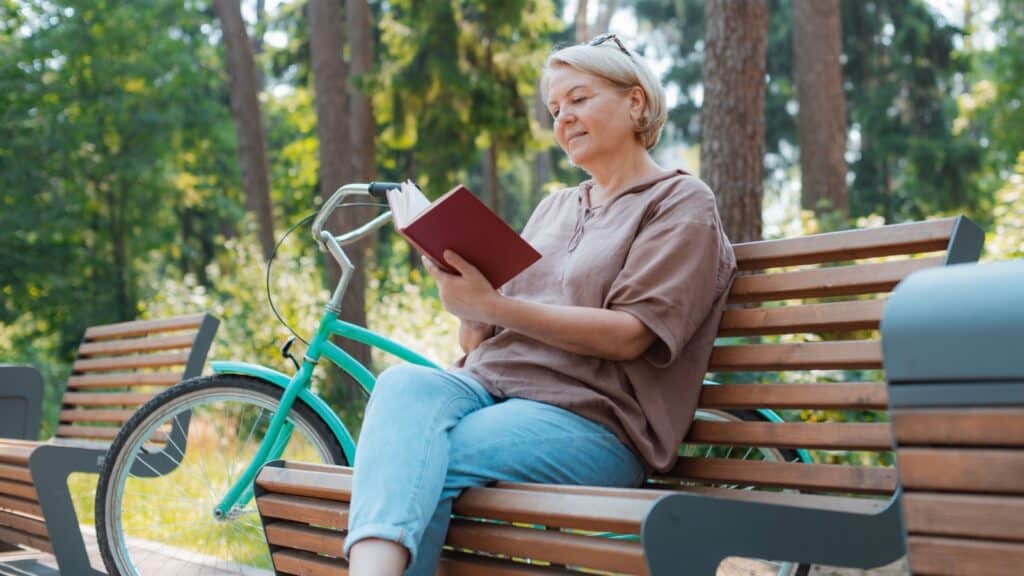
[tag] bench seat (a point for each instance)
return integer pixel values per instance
(799, 337)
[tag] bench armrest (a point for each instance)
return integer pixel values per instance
(21, 402)
(696, 532)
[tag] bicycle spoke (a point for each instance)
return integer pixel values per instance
(175, 510)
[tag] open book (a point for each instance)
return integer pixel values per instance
(460, 222)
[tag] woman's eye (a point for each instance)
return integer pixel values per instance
(578, 100)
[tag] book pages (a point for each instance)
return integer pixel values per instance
(406, 203)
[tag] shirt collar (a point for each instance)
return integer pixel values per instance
(583, 190)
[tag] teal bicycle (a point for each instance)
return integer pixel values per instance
(175, 492)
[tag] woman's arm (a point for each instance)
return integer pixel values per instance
(609, 334)
(472, 334)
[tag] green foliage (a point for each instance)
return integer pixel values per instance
(900, 70)
(1006, 241)
(455, 76)
(108, 115)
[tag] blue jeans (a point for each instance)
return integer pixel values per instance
(429, 434)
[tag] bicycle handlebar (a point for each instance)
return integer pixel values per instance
(332, 244)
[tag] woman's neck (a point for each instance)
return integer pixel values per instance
(620, 173)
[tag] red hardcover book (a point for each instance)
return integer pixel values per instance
(460, 222)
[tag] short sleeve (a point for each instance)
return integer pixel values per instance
(669, 278)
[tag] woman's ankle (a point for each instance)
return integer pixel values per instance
(377, 557)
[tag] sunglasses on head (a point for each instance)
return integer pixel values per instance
(602, 38)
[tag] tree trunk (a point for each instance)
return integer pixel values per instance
(245, 108)
(582, 31)
(604, 16)
(732, 118)
(821, 121)
(329, 88)
(363, 127)
(257, 39)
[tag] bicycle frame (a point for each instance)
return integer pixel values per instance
(298, 386)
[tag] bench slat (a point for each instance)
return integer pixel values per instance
(29, 525)
(844, 395)
(306, 538)
(953, 557)
(131, 362)
(960, 426)
(300, 509)
(306, 564)
(826, 282)
(118, 347)
(845, 436)
(911, 238)
(18, 490)
(966, 515)
(126, 380)
(866, 505)
(459, 564)
(310, 483)
(29, 507)
(16, 473)
(811, 318)
(16, 453)
(20, 538)
(102, 433)
(962, 470)
(834, 477)
(582, 512)
(111, 416)
(842, 355)
(106, 398)
(141, 327)
(549, 546)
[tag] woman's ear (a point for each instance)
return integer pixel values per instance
(637, 101)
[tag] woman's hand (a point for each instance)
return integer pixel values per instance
(472, 334)
(467, 294)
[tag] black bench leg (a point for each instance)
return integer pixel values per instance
(51, 466)
(690, 534)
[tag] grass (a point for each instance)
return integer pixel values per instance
(175, 510)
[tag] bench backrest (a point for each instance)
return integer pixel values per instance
(800, 311)
(121, 366)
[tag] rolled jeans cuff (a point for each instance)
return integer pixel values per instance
(384, 532)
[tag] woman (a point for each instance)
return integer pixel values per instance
(584, 369)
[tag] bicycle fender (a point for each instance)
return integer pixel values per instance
(281, 380)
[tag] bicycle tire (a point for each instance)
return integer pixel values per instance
(122, 462)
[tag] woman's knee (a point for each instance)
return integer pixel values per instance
(406, 381)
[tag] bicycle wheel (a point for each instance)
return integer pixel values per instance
(741, 565)
(174, 460)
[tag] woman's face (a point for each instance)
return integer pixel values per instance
(593, 118)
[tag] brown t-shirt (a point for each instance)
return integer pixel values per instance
(656, 251)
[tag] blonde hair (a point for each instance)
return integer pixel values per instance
(610, 63)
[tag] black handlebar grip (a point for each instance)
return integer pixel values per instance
(378, 189)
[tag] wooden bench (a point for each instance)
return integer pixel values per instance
(954, 354)
(802, 311)
(118, 368)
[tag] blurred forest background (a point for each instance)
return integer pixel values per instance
(152, 153)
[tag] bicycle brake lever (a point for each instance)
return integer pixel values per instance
(286, 351)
